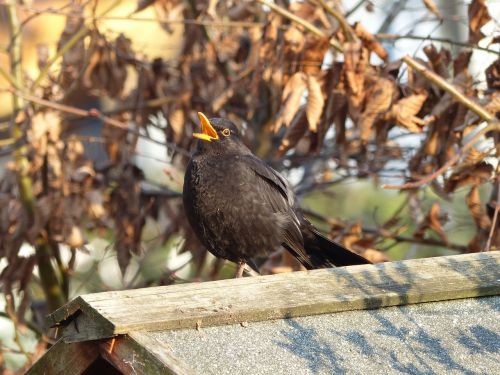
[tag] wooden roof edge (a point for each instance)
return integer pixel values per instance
(104, 315)
(63, 313)
(79, 311)
(151, 356)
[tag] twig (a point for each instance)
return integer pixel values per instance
(396, 8)
(495, 217)
(96, 114)
(494, 126)
(143, 19)
(348, 31)
(355, 8)
(11, 313)
(449, 88)
(309, 26)
(8, 77)
(384, 36)
(73, 110)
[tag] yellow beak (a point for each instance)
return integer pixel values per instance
(208, 132)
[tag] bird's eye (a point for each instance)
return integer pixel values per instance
(226, 132)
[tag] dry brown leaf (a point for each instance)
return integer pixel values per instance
(314, 53)
(431, 5)
(467, 174)
(74, 237)
(73, 60)
(461, 62)
(294, 132)
(375, 256)
(477, 211)
(439, 60)
(309, 12)
(370, 42)
(405, 110)
(379, 99)
(315, 103)
(106, 71)
(478, 17)
(269, 37)
(355, 234)
(177, 120)
(355, 64)
(291, 98)
(294, 39)
(432, 221)
(493, 106)
(169, 10)
(45, 124)
(493, 75)
(95, 199)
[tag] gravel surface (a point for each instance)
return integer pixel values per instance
(453, 337)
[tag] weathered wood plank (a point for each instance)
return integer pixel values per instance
(65, 358)
(139, 354)
(292, 294)
(84, 327)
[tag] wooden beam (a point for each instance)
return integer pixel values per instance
(139, 354)
(286, 295)
(65, 358)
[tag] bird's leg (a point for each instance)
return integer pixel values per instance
(239, 270)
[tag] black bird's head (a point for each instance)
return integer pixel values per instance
(218, 135)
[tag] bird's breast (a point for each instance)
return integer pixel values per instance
(227, 209)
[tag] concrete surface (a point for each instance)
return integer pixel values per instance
(453, 337)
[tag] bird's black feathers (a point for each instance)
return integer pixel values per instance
(242, 209)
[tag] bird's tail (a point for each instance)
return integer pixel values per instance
(324, 253)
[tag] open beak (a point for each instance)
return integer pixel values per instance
(208, 132)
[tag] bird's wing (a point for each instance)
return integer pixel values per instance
(271, 184)
(276, 190)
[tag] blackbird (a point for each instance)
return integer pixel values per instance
(241, 209)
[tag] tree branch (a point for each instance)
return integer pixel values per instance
(97, 114)
(385, 36)
(449, 88)
(348, 30)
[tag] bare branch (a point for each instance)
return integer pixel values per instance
(448, 87)
(384, 36)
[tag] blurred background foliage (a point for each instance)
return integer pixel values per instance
(98, 100)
